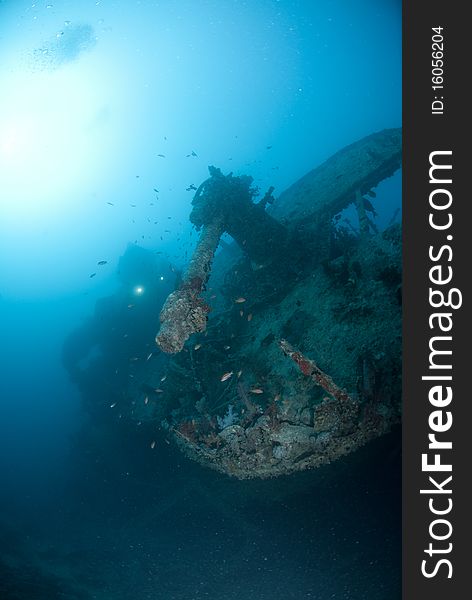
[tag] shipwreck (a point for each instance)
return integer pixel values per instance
(283, 348)
(278, 349)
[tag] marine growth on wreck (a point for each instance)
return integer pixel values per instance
(280, 351)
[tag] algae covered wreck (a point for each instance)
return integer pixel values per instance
(280, 351)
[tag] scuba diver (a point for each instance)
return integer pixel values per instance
(97, 355)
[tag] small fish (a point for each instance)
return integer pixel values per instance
(156, 190)
(241, 313)
(277, 397)
(197, 346)
(146, 400)
(159, 391)
(102, 262)
(249, 317)
(256, 391)
(268, 147)
(149, 356)
(113, 405)
(213, 297)
(226, 347)
(164, 377)
(92, 275)
(133, 205)
(240, 300)
(110, 203)
(226, 376)
(240, 373)
(130, 305)
(153, 445)
(190, 187)
(161, 155)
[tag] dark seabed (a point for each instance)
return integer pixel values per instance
(128, 527)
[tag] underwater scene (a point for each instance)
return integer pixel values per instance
(200, 300)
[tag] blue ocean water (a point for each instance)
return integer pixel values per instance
(110, 113)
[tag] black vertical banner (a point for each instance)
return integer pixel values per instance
(437, 398)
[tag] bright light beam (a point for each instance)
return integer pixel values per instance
(45, 145)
